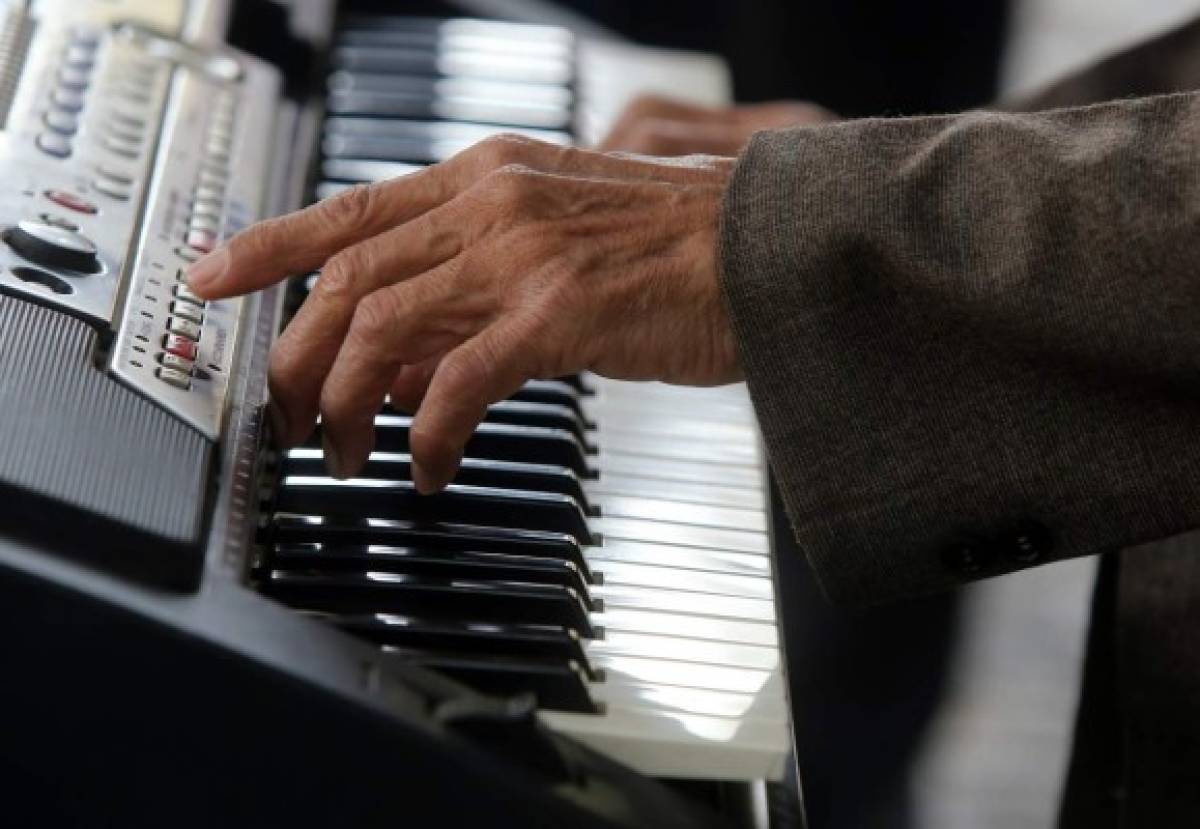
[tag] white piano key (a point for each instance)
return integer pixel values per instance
(674, 699)
(692, 581)
(688, 674)
(711, 538)
(637, 620)
(634, 421)
(650, 448)
(601, 407)
(634, 486)
(634, 597)
(649, 645)
(366, 169)
(689, 745)
(687, 558)
(686, 471)
(674, 512)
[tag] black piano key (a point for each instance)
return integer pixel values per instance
(527, 413)
(417, 561)
(292, 527)
(394, 466)
(559, 686)
(494, 441)
(553, 392)
(453, 62)
(458, 504)
(576, 382)
(435, 598)
(538, 641)
(545, 415)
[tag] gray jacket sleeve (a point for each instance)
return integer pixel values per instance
(973, 342)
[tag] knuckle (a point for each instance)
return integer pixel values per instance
(339, 278)
(351, 207)
(334, 406)
(511, 184)
(467, 369)
(374, 318)
(502, 149)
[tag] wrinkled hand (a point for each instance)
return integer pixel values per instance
(660, 126)
(450, 287)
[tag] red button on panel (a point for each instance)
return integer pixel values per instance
(180, 347)
(201, 240)
(69, 200)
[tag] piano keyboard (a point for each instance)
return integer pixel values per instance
(606, 544)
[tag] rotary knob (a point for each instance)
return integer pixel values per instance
(53, 247)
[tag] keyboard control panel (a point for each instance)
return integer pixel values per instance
(128, 154)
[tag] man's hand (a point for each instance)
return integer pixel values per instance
(450, 287)
(660, 126)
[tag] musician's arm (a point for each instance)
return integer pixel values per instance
(959, 331)
(1164, 64)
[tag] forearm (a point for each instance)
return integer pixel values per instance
(956, 329)
(1167, 63)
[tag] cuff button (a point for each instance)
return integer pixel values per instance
(966, 557)
(1028, 543)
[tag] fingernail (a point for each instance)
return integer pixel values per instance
(422, 480)
(208, 269)
(333, 461)
(279, 424)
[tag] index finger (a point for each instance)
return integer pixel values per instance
(300, 242)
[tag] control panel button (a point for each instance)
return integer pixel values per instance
(58, 221)
(201, 240)
(129, 118)
(85, 36)
(115, 175)
(187, 255)
(80, 56)
(68, 99)
(214, 176)
(73, 78)
(180, 347)
(61, 121)
(184, 328)
(187, 311)
(113, 189)
(64, 198)
(122, 146)
(175, 362)
(53, 247)
(173, 377)
(208, 193)
(204, 222)
(208, 209)
(223, 68)
(54, 144)
(184, 294)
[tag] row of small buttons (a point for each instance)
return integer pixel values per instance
(208, 195)
(67, 99)
(184, 327)
(125, 131)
